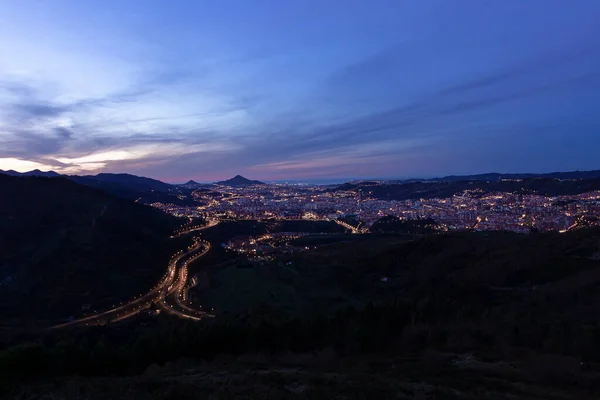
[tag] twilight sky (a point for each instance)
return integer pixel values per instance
(300, 89)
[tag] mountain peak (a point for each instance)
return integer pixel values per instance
(239, 180)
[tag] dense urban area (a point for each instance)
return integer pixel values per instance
(474, 209)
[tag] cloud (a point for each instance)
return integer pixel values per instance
(178, 106)
(19, 165)
(154, 121)
(63, 132)
(25, 112)
(458, 110)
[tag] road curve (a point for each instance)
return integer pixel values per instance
(170, 292)
(174, 300)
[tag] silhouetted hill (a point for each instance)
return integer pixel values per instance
(129, 181)
(442, 189)
(498, 176)
(63, 244)
(239, 180)
(145, 190)
(192, 184)
(35, 172)
(132, 182)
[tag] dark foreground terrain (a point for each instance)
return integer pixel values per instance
(462, 315)
(65, 245)
(430, 375)
(459, 316)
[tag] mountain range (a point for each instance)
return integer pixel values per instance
(35, 172)
(126, 186)
(494, 176)
(129, 180)
(405, 190)
(132, 187)
(150, 190)
(94, 180)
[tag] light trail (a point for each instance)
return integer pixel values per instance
(170, 293)
(174, 301)
(348, 226)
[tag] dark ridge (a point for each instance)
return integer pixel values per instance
(63, 244)
(35, 172)
(443, 189)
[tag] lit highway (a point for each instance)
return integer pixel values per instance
(187, 230)
(346, 225)
(170, 293)
(174, 299)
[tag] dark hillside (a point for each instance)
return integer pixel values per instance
(63, 245)
(131, 187)
(510, 289)
(463, 315)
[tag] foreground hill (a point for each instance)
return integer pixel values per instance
(63, 245)
(458, 316)
(493, 276)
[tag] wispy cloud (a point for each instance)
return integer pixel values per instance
(415, 88)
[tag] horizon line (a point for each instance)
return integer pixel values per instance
(324, 181)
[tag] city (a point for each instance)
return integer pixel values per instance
(300, 200)
(470, 209)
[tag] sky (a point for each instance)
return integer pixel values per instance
(299, 89)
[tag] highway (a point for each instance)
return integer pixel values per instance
(175, 300)
(187, 230)
(346, 225)
(170, 293)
